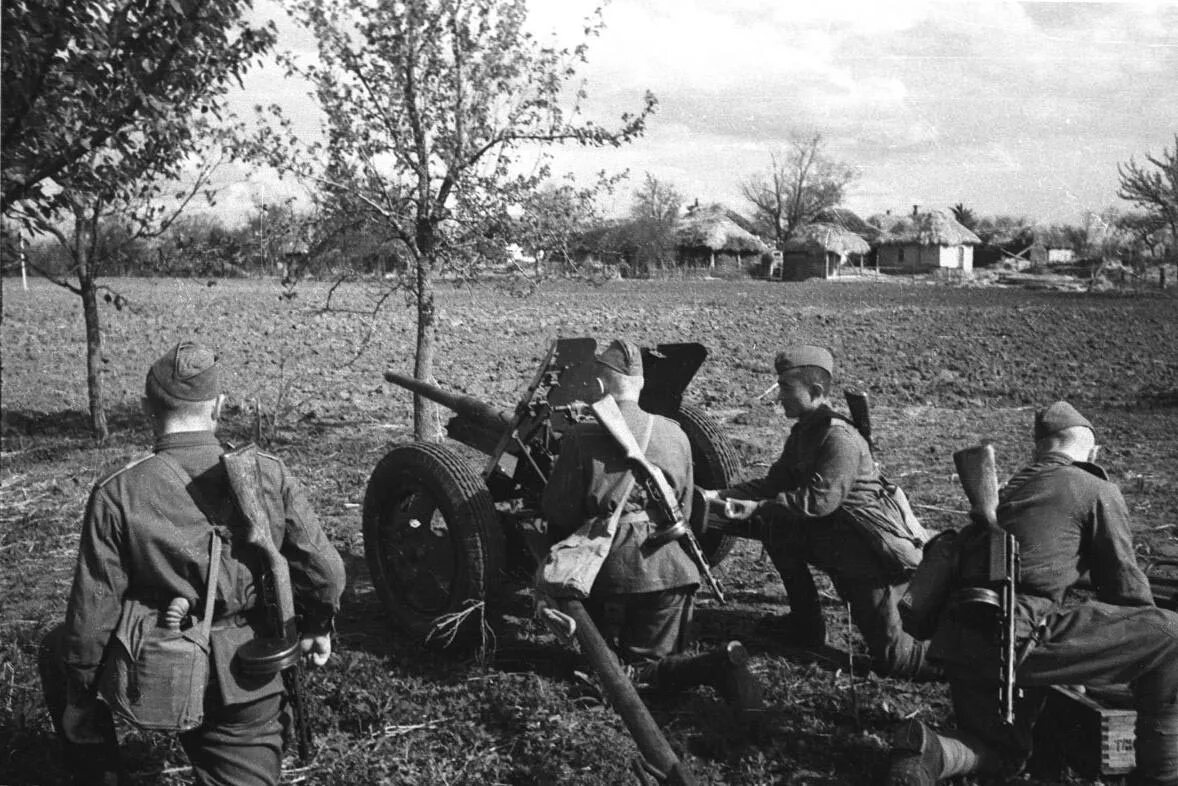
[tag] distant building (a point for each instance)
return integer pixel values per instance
(925, 242)
(822, 251)
(710, 237)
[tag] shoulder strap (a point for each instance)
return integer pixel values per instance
(628, 480)
(215, 539)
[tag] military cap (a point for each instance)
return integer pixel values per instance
(1056, 418)
(623, 357)
(188, 372)
(804, 355)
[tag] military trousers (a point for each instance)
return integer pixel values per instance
(1093, 643)
(833, 545)
(644, 627)
(237, 745)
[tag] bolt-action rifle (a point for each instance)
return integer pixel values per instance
(278, 652)
(979, 477)
(673, 525)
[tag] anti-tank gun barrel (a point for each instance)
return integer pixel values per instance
(482, 413)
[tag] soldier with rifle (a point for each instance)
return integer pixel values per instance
(824, 503)
(1065, 519)
(170, 572)
(640, 587)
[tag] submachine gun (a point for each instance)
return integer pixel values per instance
(279, 652)
(991, 595)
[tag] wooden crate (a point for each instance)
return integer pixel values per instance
(1092, 733)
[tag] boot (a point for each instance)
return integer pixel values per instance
(917, 757)
(725, 669)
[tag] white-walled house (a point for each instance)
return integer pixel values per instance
(925, 242)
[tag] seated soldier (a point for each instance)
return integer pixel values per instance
(1068, 519)
(641, 598)
(813, 506)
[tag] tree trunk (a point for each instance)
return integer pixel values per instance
(425, 421)
(89, 296)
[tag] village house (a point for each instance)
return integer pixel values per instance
(822, 251)
(710, 238)
(925, 242)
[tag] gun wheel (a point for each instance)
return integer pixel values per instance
(717, 466)
(432, 541)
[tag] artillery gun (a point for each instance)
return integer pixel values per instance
(440, 537)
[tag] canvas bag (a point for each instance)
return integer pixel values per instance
(156, 677)
(153, 676)
(572, 564)
(893, 531)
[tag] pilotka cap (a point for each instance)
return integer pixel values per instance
(1056, 418)
(188, 372)
(623, 357)
(804, 355)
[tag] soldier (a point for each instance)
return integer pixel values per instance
(1068, 519)
(813, 505)
(145, 541)
(641, 598)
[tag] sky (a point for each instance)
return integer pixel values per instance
(1008, 108)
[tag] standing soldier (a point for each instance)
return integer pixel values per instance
(1068, 519)
(145, 554)
(641, 598)
(823, 503)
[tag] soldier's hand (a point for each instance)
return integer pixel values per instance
(79, 722)
(316, 650)
(741, 509)
(709, 495)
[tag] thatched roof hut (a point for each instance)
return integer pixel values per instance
(820, 251)
(925, 242)
(709, 235)
(711, 228)
(847, 219)
(829, 237)
(930, 228)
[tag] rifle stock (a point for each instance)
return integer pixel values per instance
(607, 413)
(857, 405)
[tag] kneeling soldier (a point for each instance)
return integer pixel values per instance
(641, 597)
(146, 553)
(814, 506)
(1067, 519)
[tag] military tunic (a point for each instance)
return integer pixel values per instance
(652, 586)
(146, 535)
(824, 474)
(1069, 520)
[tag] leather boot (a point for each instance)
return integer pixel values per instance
(725, 669)
(917, 756)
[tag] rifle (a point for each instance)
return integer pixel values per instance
(279, 652)
(976, 467)
(656, 485)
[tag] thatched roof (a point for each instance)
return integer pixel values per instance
(931, 228)
(827, 237)
(712, 228)
(847, 219)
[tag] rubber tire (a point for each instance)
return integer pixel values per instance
(717, 466)
(444, 484)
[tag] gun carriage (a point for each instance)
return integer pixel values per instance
(441, 536)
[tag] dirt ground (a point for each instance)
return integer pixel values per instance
(945, 366)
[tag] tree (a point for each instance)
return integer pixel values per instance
(1155, 191)
(103, 102)
(656, 200)
(428, 105)
(964, 216)
(801, 182)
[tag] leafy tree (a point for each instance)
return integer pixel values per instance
(102, 104)
(656, 200)
(1154, 190)
(964, 216)
(801, 183)
(429, 105)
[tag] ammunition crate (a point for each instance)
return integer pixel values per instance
(1090, 733)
